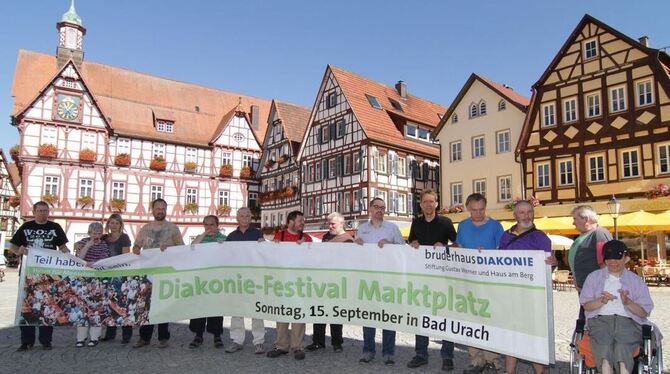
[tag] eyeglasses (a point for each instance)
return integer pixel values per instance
(381, 207)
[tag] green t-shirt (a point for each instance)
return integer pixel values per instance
(574, 247)
(214, 238)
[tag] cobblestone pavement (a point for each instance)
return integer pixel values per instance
(113, 357)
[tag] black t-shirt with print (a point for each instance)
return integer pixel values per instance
(48, 235)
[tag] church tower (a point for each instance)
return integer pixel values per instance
(70, 38)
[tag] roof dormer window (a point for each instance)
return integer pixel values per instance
(590, 49)
(396, 105)
(373, 101)
(164, 126)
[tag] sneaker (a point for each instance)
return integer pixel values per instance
(47, 347)
(163, 343)
(367, 357)
(80, 344)
(299, 354)
(276, 353)
(218, 343)
(337, 348)
(314, 347)
(388, 361)
(416, 362)
(197, 342)
(141, 343)
(447, 364)
(473, 369)
(259, 349)
(92, 343)
(24, 347)
(234, 347)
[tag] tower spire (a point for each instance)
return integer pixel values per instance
(70, 37)
(71, 15)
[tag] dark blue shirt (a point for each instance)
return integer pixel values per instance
(250, 235)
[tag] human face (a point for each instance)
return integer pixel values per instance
(524, 216)
(158, 210)
(616, 266)
(581, 224)
(335, 225)
(428, 204)
(298, 224)
(114, 225)
(477, 210)
(243, 218)
(95, 235)
(41, 213)
(211, 227)
(378, 208)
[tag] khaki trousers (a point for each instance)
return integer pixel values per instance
(479, 357)
(296, 337)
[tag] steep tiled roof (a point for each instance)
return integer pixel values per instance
(378, 123)
(294, 118)
(507, 92)
(130, 100)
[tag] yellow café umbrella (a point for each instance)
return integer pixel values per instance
(555, 225)
(642, 222)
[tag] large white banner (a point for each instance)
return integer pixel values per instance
(495, 300)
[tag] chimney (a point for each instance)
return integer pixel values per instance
(255, 117)
(401, 87)
(644, 40)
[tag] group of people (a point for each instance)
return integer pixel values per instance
(608, 293)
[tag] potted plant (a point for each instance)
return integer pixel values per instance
(15, 200)
(226, 170)
(118, 204)
(122, 159)
(85, 201)
(158, 163)
(658, 191)
(87, 155)
(456, 208)
(269, 162)
(289, 191)
(14, 152)
(191, 208)
(283, 158)
(47, 150)
(190, 166)
(223, 210)
(245, 172)
(50, 199)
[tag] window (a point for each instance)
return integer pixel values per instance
(410, 130)
(396, 105)
(401, 206)
(358, 201)
(318, 203)
(51, 185)
(664, 159)
(191, 154)
(592, 105)
(85, 187)
(479, 186)
(402, 166)
(123, 146)
(590, 49)
(505, 188)
(455, 154)
(454, 118)
(358, 161)
(253, 201)
(347, 202)
(570, 110)
(373, 102)
(247, 160)
(381, 163)
(226, 158)
(158, 149)
(332, 168)
(164, 126)
(49, 135)
(629, 163)
(382, 195)
(324, 134)
(473, 111)
(224, 198)
(341, 128)
(618, 99)
(347, 164)
(503, 143)
(543, 176)
(424, 134)
(457, 193)
(644, 94)
(156, 192)
(89, 141)
(118, 190)
(565, 175)
(191, 196)
(482, 108)
(549, 117)
(502, 105)
(331, 100)
(317, 171)
(478, 147)
(596, 168)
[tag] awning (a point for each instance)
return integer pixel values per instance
(555, 225)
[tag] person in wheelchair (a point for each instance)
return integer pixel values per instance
(617, 303)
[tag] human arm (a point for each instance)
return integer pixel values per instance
(632, 306)
(599, 301)
(81, 247)
(544, 243)
(61, 239)
(412, 238)
(19, 244)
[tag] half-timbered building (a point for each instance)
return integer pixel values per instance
(366, 139)
(598, 120)
(279, 172)
(480, 130)
(9, 199)
(97, 139)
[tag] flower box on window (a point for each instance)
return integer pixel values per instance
(245, 172)
(14, 152)
(223, 210)
(85, 201)
(191, 208)
(158, 163)
(283, 158)
(226, 171)
(122, 159)
(50, 199)
(269, 163)
(47, 150)
(658, 191)
(118, 205)
(15, 201)
(87, 155)
(289, 192)
(190, 167)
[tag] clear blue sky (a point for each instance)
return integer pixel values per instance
(279, 49)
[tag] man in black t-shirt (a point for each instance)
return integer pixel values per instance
(39, 233)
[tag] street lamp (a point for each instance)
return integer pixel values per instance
(614, 207)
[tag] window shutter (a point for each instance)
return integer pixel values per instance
(340, 165)
(410, 203)
(319, 135)
(333, 130)
(426, 170)
(394, 201)
(415, 169)
(437, 173)
(344, 128)
(392, 164)
(324, 169)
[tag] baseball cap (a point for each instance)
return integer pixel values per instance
(614, 250)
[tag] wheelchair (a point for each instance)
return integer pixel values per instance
(648, 361)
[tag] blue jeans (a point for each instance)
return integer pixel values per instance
(421, 348)
(388, 341)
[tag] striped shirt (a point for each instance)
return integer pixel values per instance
(96, 252)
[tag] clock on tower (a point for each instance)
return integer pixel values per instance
(68, 107)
